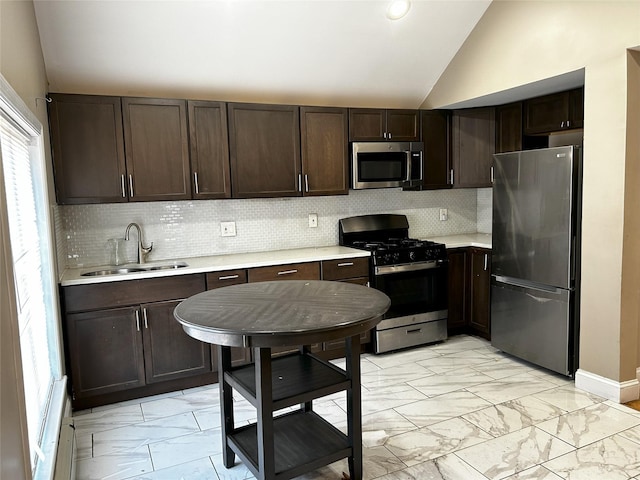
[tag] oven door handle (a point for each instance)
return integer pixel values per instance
(409, 267)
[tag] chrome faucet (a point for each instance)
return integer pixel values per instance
(142, 250)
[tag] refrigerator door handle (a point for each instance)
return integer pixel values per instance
(516, 282)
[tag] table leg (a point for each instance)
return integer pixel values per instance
(226, 405)
(354, 407)
(306, 406)
(264, 397)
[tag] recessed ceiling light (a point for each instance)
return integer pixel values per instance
(398, 9)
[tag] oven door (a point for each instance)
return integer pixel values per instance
(414, 289)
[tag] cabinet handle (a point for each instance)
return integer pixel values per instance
(306, 182)
(137, 320)
(131, 185)
(228, 277)
(415, 330)
(568, 123)
(492, 177)
(124, 192)
(451, 176)
(561, 124)
(144, 316)
(389, 135)
(346, 264)
(195, 180)
(287, 272)
(486, 261)
(300, 182)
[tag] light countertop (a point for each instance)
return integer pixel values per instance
(216, 263)
(480, 240)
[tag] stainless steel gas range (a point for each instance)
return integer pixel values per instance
(413, 273)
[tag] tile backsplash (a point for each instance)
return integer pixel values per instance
(184, 229)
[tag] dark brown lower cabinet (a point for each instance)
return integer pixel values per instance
(469, 291)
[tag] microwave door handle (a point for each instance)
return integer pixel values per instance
(408, 153)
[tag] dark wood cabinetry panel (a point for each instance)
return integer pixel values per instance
(555, 112)
(156, 145)
(509, 128)
(294, 271)
(87, 149)
(325, 154)
(480, 307)
(458, 291)
(226, 278)
(473, 147)
(264, 144)
(367, 124)
(209, 148)
(105, 351)
(346, 268)
(373, 124)
(169, 352)
(436, 136)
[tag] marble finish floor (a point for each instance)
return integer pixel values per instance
(455, 410)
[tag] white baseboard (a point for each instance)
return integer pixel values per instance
(620, 392)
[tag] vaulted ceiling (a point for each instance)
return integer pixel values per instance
(320, 52)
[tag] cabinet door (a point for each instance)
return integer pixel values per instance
(209, 149)
(403, 125)
(264, 144)
(88, 149)
(367, 124)
(156, 145)
(346, 268)
(105, 351)
(509, 128)
(546, 114)
(169, 352)
(576, 108)
(295, 271)
(457, 284)
(436, 135)
(325, 152)
(480, 306)
(473, 147)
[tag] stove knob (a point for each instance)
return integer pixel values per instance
(412, 255)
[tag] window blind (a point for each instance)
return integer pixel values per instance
(36, 318)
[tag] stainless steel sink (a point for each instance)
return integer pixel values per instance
(125, 270)
(114, 271)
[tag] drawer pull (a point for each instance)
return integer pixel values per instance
(228, 277)
(415, 330)
(137, 321)
(287, 272)
(346, 264)
(144, 316)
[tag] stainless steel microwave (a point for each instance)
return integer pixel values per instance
(386, 164)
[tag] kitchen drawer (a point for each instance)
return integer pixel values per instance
(226, 278)
(78, 298)
(294, 271)
(345, 268)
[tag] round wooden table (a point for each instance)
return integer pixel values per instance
(264, 315)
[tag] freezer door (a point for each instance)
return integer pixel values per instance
(533, 324)
(533, 226)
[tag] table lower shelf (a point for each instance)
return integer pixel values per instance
(303, 441)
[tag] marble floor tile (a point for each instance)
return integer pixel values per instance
(84, 446)
(175, 451)
(123, 439)
(447, 467)
(115, 467)
(514, 452)
(632, 434)
(535, 473)
(378, 427)
(393, 375)
(101, 420)
(137, 401)
(503, 368)
(435, 441)
(403, 357)
(588, 425)
(623, 408)
(455, 361)
(510, 388)
(613, 458)
(238, 472)
(513, 415)
(384, 398)
(201, 469)
(443, 407)
(460, 343)
(569, 398)
(180, 404)
(454, 380)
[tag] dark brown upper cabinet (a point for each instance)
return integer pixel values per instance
(474, 143)
(264, 145)
(555, 112)
(157, 149)
(436, 135)
(209, 148)
(370, 124)
(325, 153)
(509, 128)
(88, 149)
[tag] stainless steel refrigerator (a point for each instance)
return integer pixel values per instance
(536, 256)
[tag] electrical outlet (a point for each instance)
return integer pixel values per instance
(313, 220)
(228, 229)
(444, 214)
